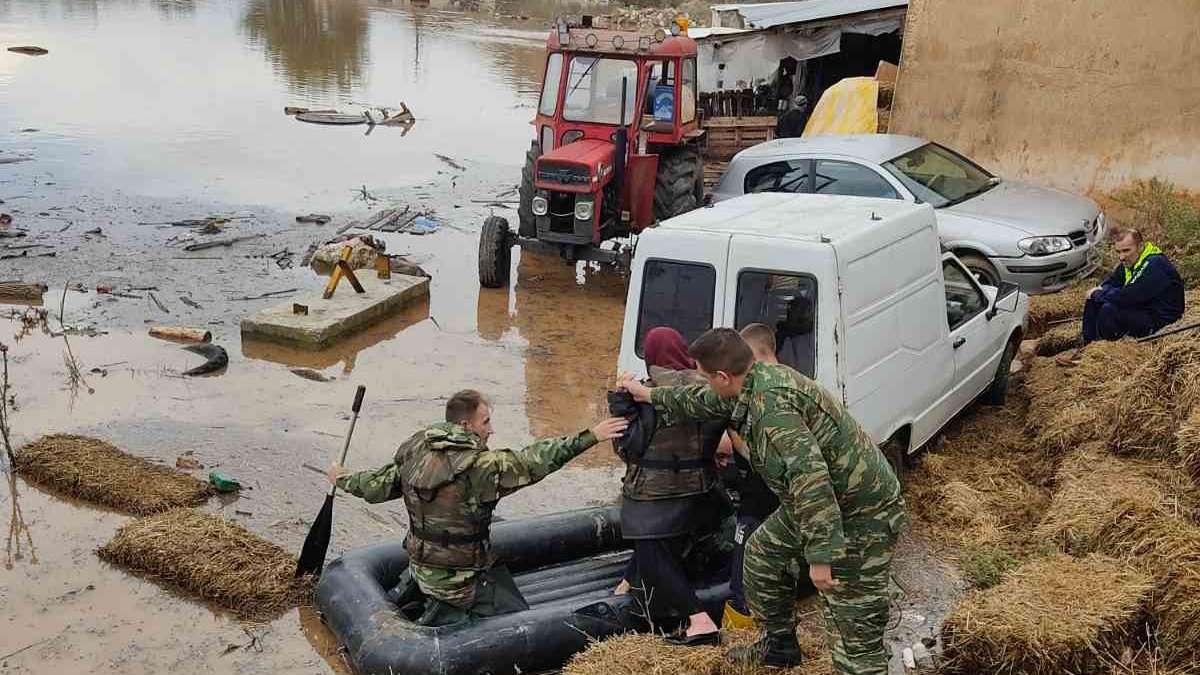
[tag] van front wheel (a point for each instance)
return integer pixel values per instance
(997, 394)
(894, 452)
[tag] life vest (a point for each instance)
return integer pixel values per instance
(1140, 266)
(679, 460)
(449, 526)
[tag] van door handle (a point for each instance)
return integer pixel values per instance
(959, 341)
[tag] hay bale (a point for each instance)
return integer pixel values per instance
(1157, 398)
(1072, 406)
(212, 558)
(1187, 444)
(1059, 339)
(1065, 304)
(1047, 617)
(93, 470)
(1124, 507)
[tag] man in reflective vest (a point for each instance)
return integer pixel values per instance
(1142, 295)
(450, 482)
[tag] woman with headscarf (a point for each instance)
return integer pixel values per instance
(672, 505)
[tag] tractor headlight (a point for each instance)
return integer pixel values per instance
(1036, 246)
(583, 210)
(540, 206)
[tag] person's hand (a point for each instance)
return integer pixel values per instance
(610, 428)
(334, 471)
(822, 576)
(738, 444)
(628, 382)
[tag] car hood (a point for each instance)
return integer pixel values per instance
(1030, 208)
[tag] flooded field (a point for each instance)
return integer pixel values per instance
(149, 111)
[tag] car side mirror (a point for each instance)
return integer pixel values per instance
(1007, 295)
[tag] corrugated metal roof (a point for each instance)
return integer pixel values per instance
(701, 33)
(766, 15)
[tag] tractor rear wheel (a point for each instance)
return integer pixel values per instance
(679, 172)
(495, 253)
(527, 223)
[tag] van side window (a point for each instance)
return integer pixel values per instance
(787, 176)
(964, 300)
(787, 304)
(856, 180)
(677, 295)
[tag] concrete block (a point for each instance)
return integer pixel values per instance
(339, 316)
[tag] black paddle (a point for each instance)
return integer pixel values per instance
(316, 544)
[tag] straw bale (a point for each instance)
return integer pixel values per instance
(1065, 304)
(1072, 406)
(211, 558)
(1187, 444)
(93, 470)
(1124, 507)
(980, 482)
(1047, 617)
(1059, 339)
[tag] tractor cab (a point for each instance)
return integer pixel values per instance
(616, 144)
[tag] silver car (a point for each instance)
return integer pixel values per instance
(1003, 230)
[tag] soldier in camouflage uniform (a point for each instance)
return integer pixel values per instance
(841, 509)
(450, 482)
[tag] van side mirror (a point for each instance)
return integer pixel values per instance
(1007, 295)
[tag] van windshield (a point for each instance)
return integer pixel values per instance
(786, 305)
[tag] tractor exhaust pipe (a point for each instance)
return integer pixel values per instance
(620, 149)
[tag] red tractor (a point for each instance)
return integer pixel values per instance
(617, 146)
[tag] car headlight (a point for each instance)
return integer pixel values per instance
(583, 210)
(540, 206)
(1036, 246)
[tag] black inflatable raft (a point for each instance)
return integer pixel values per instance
(566, 566)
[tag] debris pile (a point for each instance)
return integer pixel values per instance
(93, 470)
(365, 253)
(210, 557)
(646, 18)
(1048, 617)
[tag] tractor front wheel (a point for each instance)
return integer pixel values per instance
(679, 172)
(526, 221)
(495, 253)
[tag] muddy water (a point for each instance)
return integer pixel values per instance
(146, 112)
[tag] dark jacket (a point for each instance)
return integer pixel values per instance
(1155, 287)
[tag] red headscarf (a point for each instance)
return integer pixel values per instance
(665, 348)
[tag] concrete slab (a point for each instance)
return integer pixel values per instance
(345, 313)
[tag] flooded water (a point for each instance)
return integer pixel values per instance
(185, 98)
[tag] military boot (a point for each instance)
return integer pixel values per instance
(775, 651)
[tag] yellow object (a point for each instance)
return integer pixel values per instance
(848, 107)
(732, 618)
(682, 22)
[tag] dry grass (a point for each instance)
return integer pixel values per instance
(981, 483)
(1187, 444)
(1065, 304)
(1129, 508)
(95, 471)
(1047, 618)
(212, 558)
(640, 654)
(1059, 339)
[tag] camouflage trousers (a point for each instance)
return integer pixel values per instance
(856, 612)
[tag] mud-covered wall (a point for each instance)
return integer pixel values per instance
(1080, 94)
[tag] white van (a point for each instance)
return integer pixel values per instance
(859, 294)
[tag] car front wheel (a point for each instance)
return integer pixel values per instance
(983, 270)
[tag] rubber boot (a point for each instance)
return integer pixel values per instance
(732, 618)
(772, 651)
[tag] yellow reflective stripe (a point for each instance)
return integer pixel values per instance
(1148, 250)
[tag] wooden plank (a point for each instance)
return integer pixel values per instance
(401, 222)
(759, 121)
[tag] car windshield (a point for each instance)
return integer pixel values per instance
(940, 176)
(594, 90)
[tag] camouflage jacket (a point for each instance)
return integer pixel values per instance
(679, 461)
(830, 477)
(450, 482)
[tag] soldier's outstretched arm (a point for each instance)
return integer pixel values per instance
(695, 402)
(794, 452)
(502, 472)
(374, 486)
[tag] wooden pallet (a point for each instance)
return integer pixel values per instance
(387, 220)
(727, 136)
